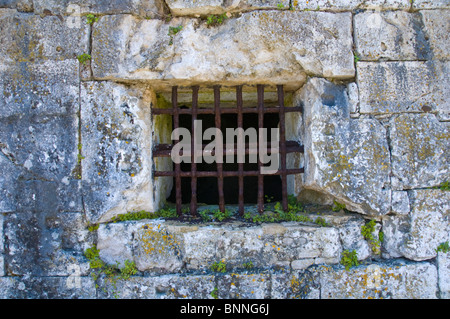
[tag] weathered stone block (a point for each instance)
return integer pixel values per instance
(8, 180)
(420, 151)
(349, 5)
(33, 245)
(443, 265)
(429, 224)
(116, 145)
(399, 280)
(44, 146)
(314, 42)
(345, 158)
(352, 239)
(149, 8)
(431, 4)
(20, 5)
(43, 88)
(437, 27)
(165, 247)
(47, 288)
(391, 87)
(400, 202)
(391, 35)
(30, 38)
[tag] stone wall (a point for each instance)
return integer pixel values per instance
(76, 141)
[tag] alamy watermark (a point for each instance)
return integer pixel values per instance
(258, 146)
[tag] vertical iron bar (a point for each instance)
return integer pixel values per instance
(193, 155)
(219, 165)
(260, 92)
(176, 123)
(240, 165)
(283, 148)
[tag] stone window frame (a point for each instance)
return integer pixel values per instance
(285, 147)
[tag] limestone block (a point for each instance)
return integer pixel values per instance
(443, 264)
(420, 151)
(45, 147)
(345, 158)
(20, 5)
(45, 88)
(35, 245)
(431, 4)
(400, 202)
(395, 230)
(390, 35)
(429, 224)
(413, 86)
(399, 280)
(437, 27)
(349, 5)
(30, 38)
(266, 46)
(352, 239)
(116, 138)
(146, 8)
(115, 242)
(8, 186)
(156, 248)
(82, 287)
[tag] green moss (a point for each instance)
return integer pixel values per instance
(84, 58)
(111, 272)
(349, 259)
(321, 222)
(208, 215)
(90, 19)
(215, 20)
(220, 266)
(337, 206)
(443, 247)
(444, 186)
(367, 231)
(167, 212)
(215, 293)
(248, 265)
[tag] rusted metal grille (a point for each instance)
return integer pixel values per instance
(284, 147)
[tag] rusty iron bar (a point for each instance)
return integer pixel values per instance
(289, 171)
(284, 195)
(219, 164)
(176, 123)
(260, 94)
(193, 206)
(164, 150)
(228, 110)
(240, 124)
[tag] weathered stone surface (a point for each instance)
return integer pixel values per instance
(7, 181)
(30, 38)
(352, 167)
(350, 4)
(26, 287)
(437, 27)
(400, 280)
(147, 8)
(45, 146)
(400, 202)
(417, 235)
(116, 143)
(443, 265)
(390, 35)
(44, 88)
(420, 151)
(20, 5)
(167, 248)
(429, 223)
(352, 239)
(413, 86)
(431, 4)
(313, 42)
(34, 241)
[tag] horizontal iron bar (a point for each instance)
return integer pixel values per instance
(289, 171)
(164, 150)
(157, 111)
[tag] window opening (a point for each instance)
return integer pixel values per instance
(230, 183)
